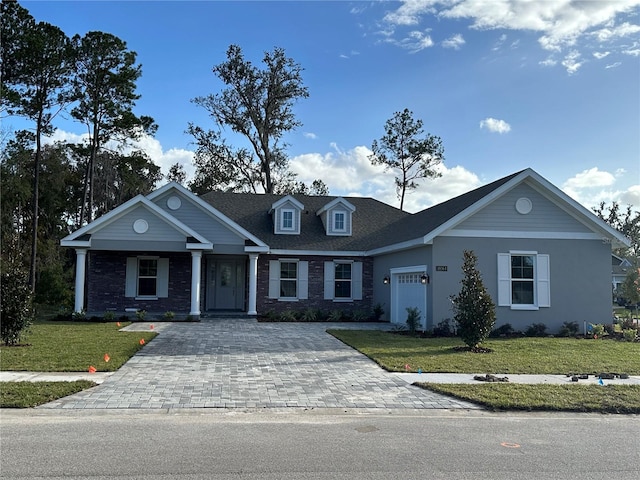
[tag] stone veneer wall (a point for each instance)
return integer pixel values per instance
(316, 286)
(106, 277)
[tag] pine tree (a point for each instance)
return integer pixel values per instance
(474, 309)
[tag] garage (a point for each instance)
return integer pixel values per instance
(408, 290)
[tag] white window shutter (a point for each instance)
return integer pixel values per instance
(329, 280)
(303, 280)
(543, 280)
(356, 280)
(274, 278)
(504, 280)
(131, 280)
(162, 288)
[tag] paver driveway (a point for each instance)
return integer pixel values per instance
(240, 363)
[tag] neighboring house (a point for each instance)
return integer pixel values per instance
(619, 269)
(543, 257)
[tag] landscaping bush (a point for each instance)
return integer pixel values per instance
(413, 320)
(505, 330)
(310, 315)
(597, 330)
(475, 312)
(359, 316)
(335, 316)
(443, 329)
(569, 329)
(288, 316)
(629, 334)
(16, 299)
(377, 312)
(536, 330)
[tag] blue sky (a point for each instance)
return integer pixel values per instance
(507, 84)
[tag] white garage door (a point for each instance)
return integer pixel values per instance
(407, 291)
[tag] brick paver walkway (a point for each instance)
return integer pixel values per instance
(240, 363)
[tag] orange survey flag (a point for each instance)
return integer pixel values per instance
(106, 357)
(92, 369)
(142, 341)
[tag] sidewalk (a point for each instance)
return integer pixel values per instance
(409, 378)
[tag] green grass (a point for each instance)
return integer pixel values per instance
(32, 394)
(530, 355)
(577, 398)
(72, 347)
(526, 355)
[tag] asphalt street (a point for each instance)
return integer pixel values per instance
(317, 444)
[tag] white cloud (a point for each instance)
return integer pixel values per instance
(151, 146)
(614, 65)
(593, 177)
(571, 62)
(548, 62)
(310, 135)
(593, 186)
(601, 55)
(455, 42)
(561, 24)
(495, 125)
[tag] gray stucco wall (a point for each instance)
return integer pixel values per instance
(580, 279)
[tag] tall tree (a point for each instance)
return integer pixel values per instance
(177, 174)
(627, 222)
(403, 149)
(104, 86)
(38, 75)
(258, 105)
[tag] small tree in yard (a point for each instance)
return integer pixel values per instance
(17, 312)
(474, 310)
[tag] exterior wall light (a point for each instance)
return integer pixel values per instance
(386, 280)
(424, 279)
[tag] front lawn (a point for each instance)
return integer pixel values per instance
(73, 347)
(65, 347)
(528, 355)
(531, 355)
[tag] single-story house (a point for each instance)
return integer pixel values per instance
(544, 258)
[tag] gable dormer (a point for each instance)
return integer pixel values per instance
(286, 216)
(337, 217)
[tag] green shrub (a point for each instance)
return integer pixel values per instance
(443, 329)
(109, 316)
(629, 334)
(17, 302)
(597, 330)
(80, 316)
(569, 329)
(413, 320)
(335, 315)
(536, 330)
(169, 315)
(505, 330)
(288, 316)
(359, 316)
(310, 315)
(140, 314)
(377, 311)
(475, 312)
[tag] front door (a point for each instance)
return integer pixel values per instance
(225, 284)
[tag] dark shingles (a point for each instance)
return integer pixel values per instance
(375, 224)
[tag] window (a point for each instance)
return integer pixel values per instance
(342, 280)
(287, 220)
(338, 221)
(288, 279)
(147, 277)
(522, 267)
(524, 280)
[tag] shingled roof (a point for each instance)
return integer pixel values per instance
(375, 224)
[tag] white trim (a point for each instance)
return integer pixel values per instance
(327, 253)
(336, 201)
(285, 199)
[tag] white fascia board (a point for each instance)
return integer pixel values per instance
(199, 246)
(75, 243)
(209, 209)
(256, 249)
(284, 200)
(523, 234)
(324, 253)
(336, 201)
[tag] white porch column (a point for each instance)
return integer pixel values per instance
(253, 283)
(81, 262)
(196, 257)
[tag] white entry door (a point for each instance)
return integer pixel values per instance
(408, 291)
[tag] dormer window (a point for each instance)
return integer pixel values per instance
(286, 216)
(287, 219)
(339, 221)
(337, 217)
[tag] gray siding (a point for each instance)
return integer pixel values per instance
(197, 219)
(501, 215)
(384, 263)
(580, 279)
(122, 228)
